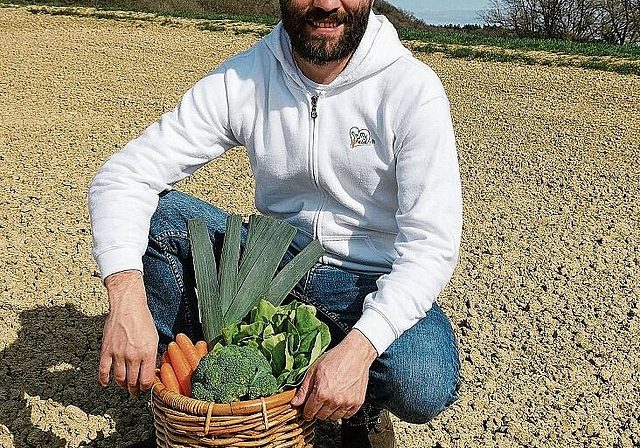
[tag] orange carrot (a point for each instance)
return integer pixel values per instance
(165, 358)
(181, 367)
(202, 348)
(168, 378)
(188, 349)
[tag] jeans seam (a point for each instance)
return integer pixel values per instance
(160, 238)
(170, 234)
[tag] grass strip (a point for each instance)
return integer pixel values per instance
(625, 67)
(526, 44)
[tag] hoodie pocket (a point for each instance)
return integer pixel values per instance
(357, 249)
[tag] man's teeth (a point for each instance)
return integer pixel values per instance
(324, 25)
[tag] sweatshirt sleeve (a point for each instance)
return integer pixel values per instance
(123, 195)
(429, 219)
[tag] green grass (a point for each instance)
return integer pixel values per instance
(549, 45)
(625, 66)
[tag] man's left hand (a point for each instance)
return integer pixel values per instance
(336, 384)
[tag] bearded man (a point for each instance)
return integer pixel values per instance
(350, 140)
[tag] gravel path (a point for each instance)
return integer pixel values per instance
(544, 300)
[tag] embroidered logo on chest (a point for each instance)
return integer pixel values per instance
(360, 137)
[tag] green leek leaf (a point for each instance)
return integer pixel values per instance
(207, 288)
(229, 261)
(287, 278)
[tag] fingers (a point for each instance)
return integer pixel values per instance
(322, 405)
(323, 408)
(147, 374)
(104, 369)
(120, 372)
(342, 413)
(133, 375)
(313, 406)
(303, 390)
(330, 411)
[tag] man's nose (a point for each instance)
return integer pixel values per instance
(327, 5)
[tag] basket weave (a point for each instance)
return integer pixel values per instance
(271, 422)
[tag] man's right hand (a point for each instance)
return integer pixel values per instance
(129, 339)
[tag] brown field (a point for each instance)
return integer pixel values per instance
(544, 300)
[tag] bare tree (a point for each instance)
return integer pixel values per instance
(550, 12)
(620, 21)
(579, 19)
(615, 21)
(518, 15)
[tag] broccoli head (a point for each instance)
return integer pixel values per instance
(233, 373)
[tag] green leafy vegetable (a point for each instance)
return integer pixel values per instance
(290, 336)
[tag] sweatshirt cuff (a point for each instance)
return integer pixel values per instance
(118, 259)
(377, 329)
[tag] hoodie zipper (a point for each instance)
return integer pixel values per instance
(313, 156)
(314, 108)
(313, 143)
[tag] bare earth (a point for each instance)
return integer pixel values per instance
(544, 300)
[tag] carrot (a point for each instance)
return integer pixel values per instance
(188, 349)
(168, 378)
(181, 367)
(165, 358)
(202, 348)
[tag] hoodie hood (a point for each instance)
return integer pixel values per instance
(379, 48)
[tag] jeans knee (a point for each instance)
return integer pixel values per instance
(417, 389)
(422, 406)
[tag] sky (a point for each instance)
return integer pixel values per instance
(443, 12)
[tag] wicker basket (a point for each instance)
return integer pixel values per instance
(271, 422)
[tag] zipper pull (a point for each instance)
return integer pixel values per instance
(314, 104)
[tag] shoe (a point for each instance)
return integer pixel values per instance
(373, 430)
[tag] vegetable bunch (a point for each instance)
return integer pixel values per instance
(275, 344)
(290, 336)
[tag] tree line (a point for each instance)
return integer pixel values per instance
(613, 21)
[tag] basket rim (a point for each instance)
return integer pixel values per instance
(187, 404)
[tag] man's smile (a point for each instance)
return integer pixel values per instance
(325, 24)
(325, 28)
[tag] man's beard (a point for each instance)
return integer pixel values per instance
(319, 49)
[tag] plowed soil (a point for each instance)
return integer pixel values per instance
(544, 300)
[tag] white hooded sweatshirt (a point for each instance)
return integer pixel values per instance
(366, 164)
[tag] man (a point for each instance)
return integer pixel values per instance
(350, 140)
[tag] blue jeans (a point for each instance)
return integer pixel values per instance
(416, 378)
